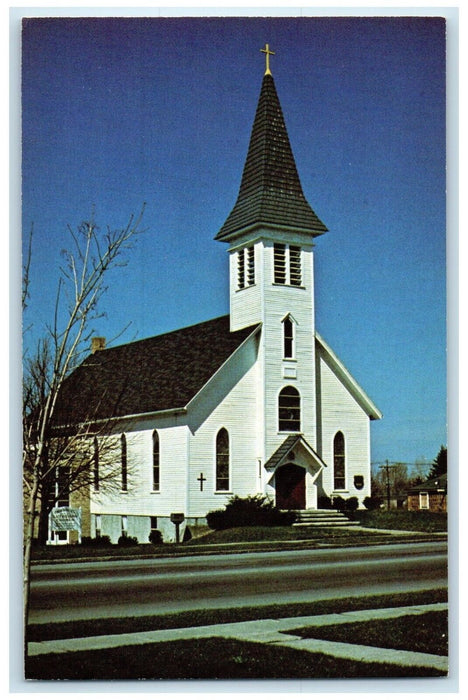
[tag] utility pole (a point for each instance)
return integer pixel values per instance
(386, 466)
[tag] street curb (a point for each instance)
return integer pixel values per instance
(246, 547)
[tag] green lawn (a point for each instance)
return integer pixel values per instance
(419, 521)
(86, 628)
(425, 632)
(265, 538)
(212, 658)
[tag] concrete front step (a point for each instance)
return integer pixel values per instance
(322, 518)
(334, 525)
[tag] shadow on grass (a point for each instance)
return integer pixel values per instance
(212, 658)
(196, 618)
(426, 633)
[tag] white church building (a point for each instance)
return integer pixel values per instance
(254, 402)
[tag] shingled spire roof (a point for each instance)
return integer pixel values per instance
(270, 193)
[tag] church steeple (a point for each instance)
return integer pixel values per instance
(270, 192)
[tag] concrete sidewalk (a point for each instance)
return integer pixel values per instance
(269, 631)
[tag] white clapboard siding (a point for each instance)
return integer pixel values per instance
(140, 498)
(246, 304)
(340, 411)
(281, 300)
(238, 412)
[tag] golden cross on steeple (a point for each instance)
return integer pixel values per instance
(268, 53)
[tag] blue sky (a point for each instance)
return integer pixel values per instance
(125, 111)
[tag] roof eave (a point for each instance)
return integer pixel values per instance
(228, 237)
(128, 417)
(221, 367)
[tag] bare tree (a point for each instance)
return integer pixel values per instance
(53, 447)
(419, 471)
(391, 481)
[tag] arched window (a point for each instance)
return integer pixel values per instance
(96, 464)
(339, 461)
(123, 461)
(222, 460)
(289, 410)
(155, 461)
(288, 338)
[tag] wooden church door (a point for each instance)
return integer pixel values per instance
(290, 487)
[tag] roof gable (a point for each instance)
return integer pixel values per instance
(147, 376)
(281, 455)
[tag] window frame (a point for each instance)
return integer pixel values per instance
(250, 266)
(287, 265)
(96, 464)
(339, 462)
(156, 462)
(245, 267)
(97, 524)
(424, 498)
(289, 339)
(222, 461)
(279, 263)
(241, 269)
(123, 464)
(62, 487)
(295, 265)
(294, 407)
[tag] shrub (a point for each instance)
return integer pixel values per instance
(339, 503)
(324, 502)
(155, 537)
(126, 541)
(216, 519)
(100, 541)
(372, 502)
(352, 504)
(249, 511)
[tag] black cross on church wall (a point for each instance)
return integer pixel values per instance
(201, 479)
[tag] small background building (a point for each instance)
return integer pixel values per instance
(430, 495)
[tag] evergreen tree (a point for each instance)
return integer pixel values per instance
(439, 465)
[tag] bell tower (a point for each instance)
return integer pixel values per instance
(270, 232)
(271, 226)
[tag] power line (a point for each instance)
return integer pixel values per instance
(406, 464)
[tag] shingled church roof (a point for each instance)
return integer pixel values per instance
(270, 191)
(159, 373)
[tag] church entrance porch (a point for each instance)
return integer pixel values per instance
(290, 485)
(293, 470)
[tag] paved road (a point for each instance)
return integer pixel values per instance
(127, 588)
